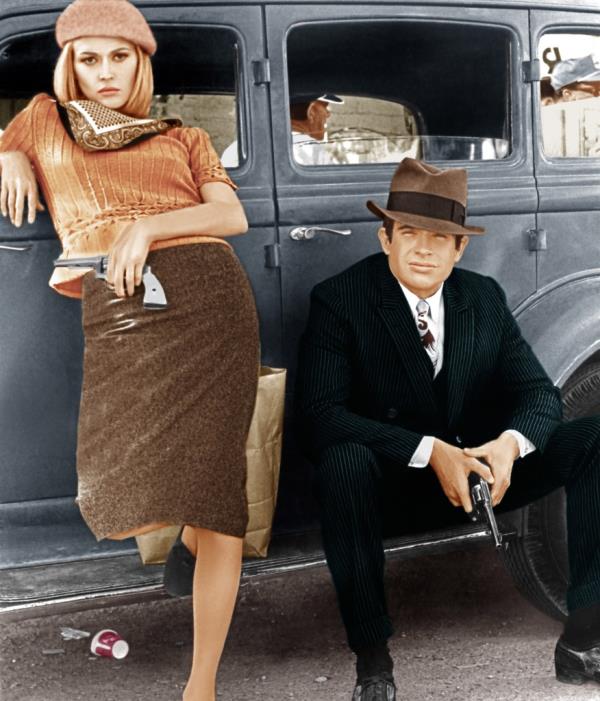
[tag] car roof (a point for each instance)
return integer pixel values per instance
(11, 8)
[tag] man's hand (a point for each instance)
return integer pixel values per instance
(452, 468)
(500, 455)
(18, 184)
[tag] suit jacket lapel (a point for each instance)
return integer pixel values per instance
(458, 347)
(399, 321)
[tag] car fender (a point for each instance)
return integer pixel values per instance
(561, 322)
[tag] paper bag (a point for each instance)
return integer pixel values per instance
(263, 453)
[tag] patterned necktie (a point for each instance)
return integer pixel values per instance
(424, 324)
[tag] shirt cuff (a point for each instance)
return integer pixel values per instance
(422, 454)
(525, 445)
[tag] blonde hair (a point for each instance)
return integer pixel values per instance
(66, 87)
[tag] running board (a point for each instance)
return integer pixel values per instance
(43, 590)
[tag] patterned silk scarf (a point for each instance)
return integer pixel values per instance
(97, 128)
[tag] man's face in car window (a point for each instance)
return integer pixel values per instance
(419, 258)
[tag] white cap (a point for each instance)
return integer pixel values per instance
(575, 70)
(333, 99)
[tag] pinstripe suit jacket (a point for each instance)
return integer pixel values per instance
(363, 375)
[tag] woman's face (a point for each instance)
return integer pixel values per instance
(105, 68)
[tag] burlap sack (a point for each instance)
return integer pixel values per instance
(263, 453)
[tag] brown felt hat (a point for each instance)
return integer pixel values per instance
(426, 197)
(104, 18)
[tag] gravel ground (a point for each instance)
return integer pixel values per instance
(462, 632)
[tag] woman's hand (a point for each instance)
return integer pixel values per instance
(127, 256)
(18, 183)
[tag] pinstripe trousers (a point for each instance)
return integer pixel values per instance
(364, 498)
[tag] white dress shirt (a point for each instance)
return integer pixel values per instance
(422, 454)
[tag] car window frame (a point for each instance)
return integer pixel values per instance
(518, 152)
(558, 161)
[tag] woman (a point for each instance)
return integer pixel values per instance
(167, 395)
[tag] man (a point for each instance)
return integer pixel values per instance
(572, 79)
(309, 115)
(309, 125)
(413, 374)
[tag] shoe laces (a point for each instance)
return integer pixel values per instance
(376, 689)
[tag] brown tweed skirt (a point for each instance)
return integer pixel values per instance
(168, 396)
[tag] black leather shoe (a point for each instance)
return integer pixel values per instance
(576, 666)
(377, 688)
(178, 576)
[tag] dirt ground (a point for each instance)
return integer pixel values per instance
(462, 633)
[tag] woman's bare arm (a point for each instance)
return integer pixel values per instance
(220, 214)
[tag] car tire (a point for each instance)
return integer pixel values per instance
(538, 558)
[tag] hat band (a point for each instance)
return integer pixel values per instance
(427, 205)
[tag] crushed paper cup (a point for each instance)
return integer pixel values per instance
(108, 643)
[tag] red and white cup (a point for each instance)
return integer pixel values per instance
(108, 643)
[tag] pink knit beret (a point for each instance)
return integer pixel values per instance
(105, 18)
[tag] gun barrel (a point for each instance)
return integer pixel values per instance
(492, 523)
(91, 262)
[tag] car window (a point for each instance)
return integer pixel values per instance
(196, 73)
(432, 90)
(570, 95)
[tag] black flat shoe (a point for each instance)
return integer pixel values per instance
(377, 688)
(576, 666)
(178, 576)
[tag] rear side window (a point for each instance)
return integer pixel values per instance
(432, 90)
(570, 95)
(196, 74)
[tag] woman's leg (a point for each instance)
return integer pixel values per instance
(216, 583)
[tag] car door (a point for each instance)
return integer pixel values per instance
(203, 73)
(442, 83)
(563, 319)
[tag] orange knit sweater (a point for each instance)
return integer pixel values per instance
(92, 196)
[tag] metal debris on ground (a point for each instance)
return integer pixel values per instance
(74, 634)
(53, 651)
(471, 666)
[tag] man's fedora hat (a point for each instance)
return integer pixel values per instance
(426, 197)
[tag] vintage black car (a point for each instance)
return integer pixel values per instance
(455, 84)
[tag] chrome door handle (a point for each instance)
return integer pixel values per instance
(302, 233)
(15, 248)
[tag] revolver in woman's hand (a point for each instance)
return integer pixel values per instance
(154, 295)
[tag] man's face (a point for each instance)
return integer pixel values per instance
(419, 258)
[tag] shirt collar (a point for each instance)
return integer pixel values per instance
(433, 301)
